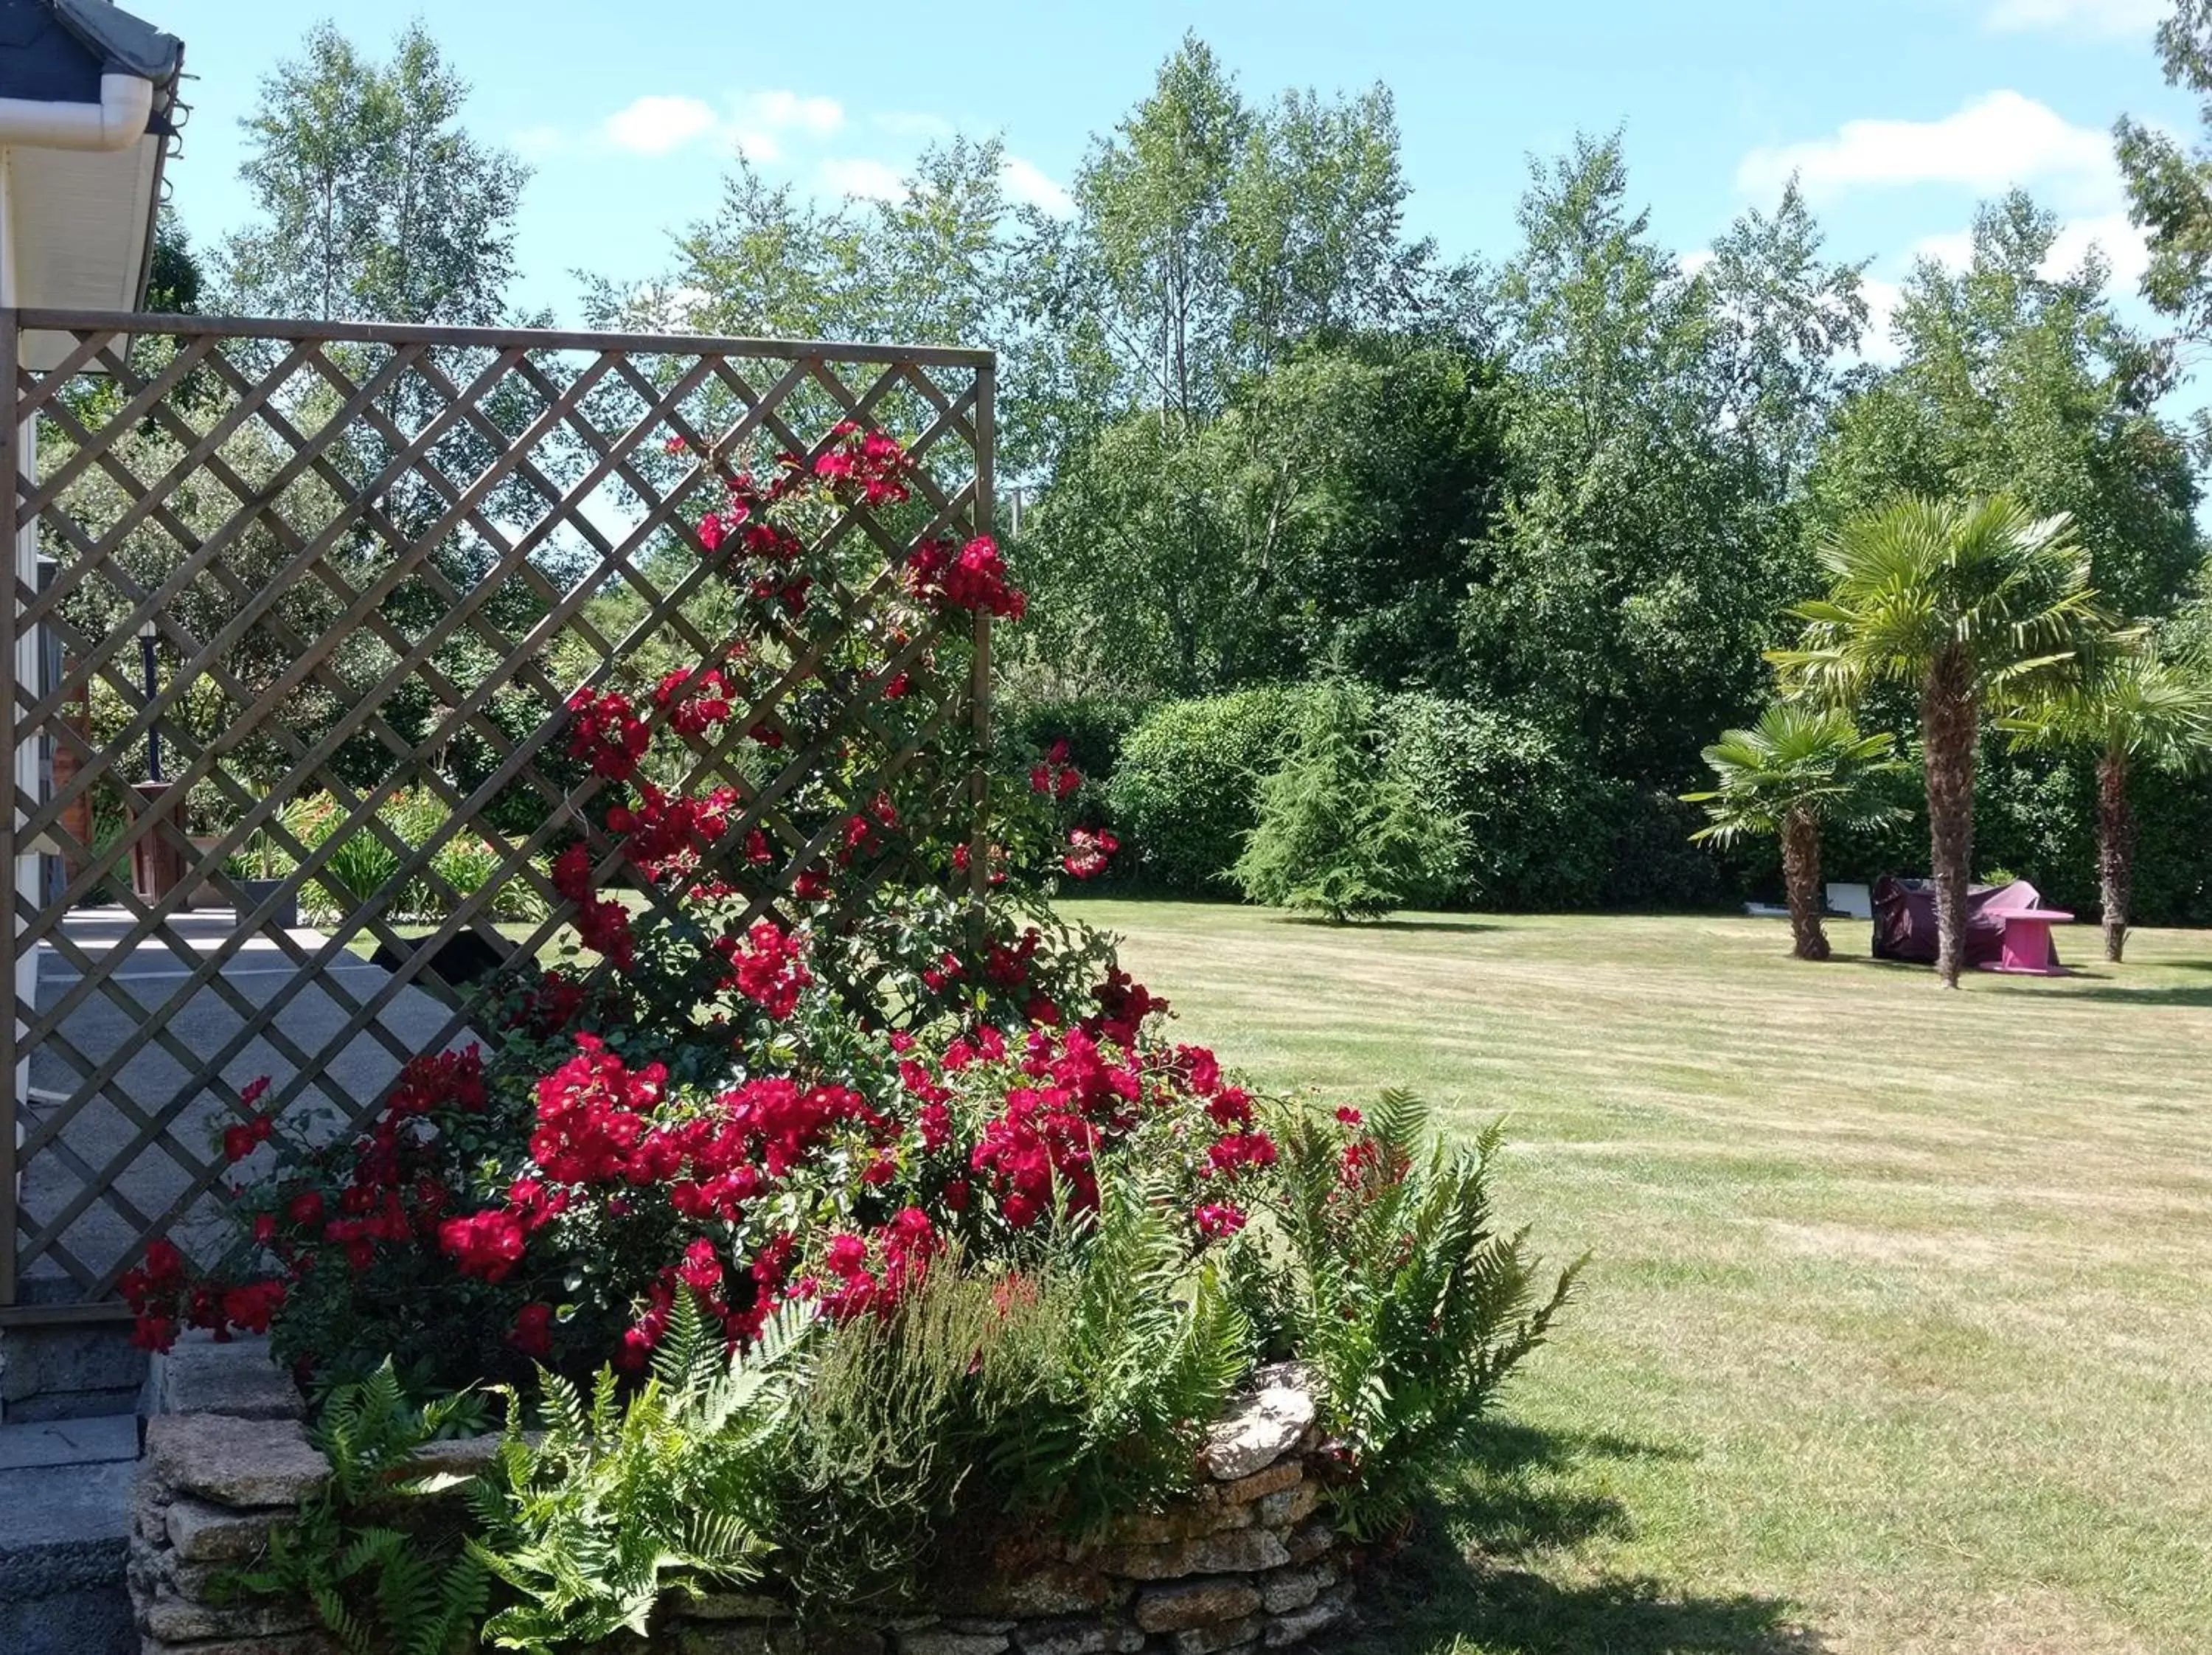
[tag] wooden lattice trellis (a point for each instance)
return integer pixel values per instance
(375, 561)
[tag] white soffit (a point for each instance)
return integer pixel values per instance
(77, 220)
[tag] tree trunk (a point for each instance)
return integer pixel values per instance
(1801, 873)
(2116, 851)
(1949, 724)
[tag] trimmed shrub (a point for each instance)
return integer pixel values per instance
(1186, 790)
(1538, 821)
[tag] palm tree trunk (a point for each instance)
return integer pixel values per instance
(2116, 851)
(1801, 874)
(1949, 725)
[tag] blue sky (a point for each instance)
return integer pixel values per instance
(1900, 114)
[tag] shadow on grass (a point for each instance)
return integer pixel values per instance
(1474, 1576)
(1368, 928)
(2119, 993)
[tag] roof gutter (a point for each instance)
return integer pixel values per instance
(116, 122)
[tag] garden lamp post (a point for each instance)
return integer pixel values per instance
(157, 858)
(146, 637)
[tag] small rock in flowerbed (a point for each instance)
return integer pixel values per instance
(1079, 1637)
(1238, 1551)
(946, 1641)
(1310, 1541)
(1262, 1427)
(1274, 1480)
(1291, 1505)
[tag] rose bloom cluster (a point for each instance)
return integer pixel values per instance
(787, 1079)
(567, 1227)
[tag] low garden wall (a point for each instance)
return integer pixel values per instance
(1245, 1563)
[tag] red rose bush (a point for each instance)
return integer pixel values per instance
(806, 1059)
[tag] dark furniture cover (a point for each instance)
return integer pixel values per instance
(1904, 918)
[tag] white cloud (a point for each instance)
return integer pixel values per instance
(854, 176)
(2109, 17)
(1027, 182)
(2121, 242)
(661, 123)
(1694, 261)
(655, 124)
(1998, 140)
(779, 111)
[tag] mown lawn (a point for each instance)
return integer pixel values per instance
(1897, 1334)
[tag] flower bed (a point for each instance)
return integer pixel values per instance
(820, 1225)
(1245, 1560)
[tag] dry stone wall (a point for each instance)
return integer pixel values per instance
(1246, 1564)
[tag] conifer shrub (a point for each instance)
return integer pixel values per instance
(1339, 836)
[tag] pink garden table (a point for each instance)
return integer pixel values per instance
(2027, 950)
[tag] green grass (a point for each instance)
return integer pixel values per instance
(1897, 1334)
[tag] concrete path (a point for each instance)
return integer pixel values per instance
(101, 1135)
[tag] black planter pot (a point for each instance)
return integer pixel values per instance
(251, 893)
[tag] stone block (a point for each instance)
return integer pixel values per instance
(1235, 1551)
(1291, 1589)
(1309, 1540)
(725, 1606)
(1262, 1426)
(1195, 1604)
(1291, 1505)
(740, 1637)
(283, 1643)
(236, 1376)
(1288, 1474)
(234, 1462)
(944, 1641)
(1079, 1637)
(1302, 1624)
(180, 1620)
(463, 1457)
(845, 1640)
(1229, 1635)
(1047, 1589)
(1183, 1521)
(219, 1534)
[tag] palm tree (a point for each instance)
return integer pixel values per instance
(1967, 601)
(1798, 767)
(2128, 708)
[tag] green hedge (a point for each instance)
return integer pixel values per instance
(1185, 788)
(1543, 831)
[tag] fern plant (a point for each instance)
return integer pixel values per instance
(411, 1589)
(622, 1501)
(1393, 1282)
(1139, 1351)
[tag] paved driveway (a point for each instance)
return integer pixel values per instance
(101, 1140)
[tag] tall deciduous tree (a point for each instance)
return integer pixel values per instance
(1652, 419)
(2130, 709)
(1966, 603)
(2017, 377)
(2170, 182)
(376, 202)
